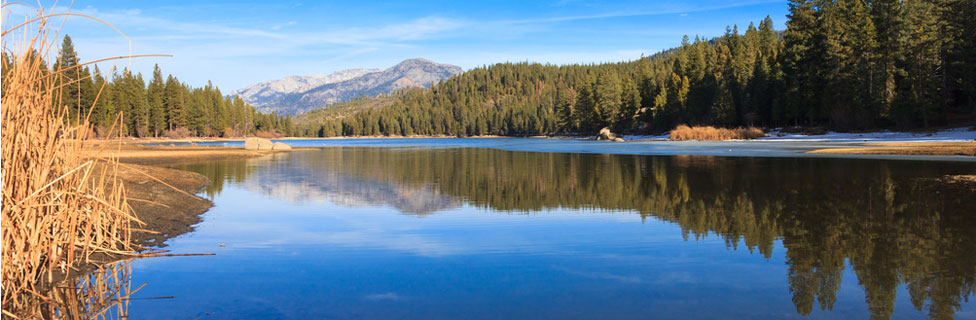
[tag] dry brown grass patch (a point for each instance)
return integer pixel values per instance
(702, 133)
(57, 210)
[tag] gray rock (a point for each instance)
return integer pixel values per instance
(605, 134)
(280, 146)
(257, 144)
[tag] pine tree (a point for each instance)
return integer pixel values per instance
(630, 106)
(923, 60)
(888, 22)
(87, 93)
(157, 108)
(769, 42)
(174, 97)
(844, 50)
(607, 96)
(565, 105)
(101, 115)
(586, 111)
(801, 60)
(961, 62)
(139, 106)
(69, 79)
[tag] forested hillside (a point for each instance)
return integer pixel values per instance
(842, 64)
(159, 107)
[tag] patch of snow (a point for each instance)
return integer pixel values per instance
(646, 137)
(949, 135)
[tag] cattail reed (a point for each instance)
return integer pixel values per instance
(59, 206)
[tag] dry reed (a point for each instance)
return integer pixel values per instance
(58, 208)
(683, 132)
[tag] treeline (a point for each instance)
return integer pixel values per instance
(161, 107)
(843, 64)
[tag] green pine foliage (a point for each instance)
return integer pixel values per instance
(161, 106)
(842, 64)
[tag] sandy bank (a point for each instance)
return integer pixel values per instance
(164, 155)
(165, 199)
(907, 148)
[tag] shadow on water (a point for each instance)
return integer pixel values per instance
(891, 222)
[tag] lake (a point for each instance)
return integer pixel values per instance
(438, 230)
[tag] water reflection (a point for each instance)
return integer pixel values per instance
(887, 221)
(317, 177)
(102, 293)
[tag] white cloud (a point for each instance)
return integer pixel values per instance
(237, 51)
(661, 10)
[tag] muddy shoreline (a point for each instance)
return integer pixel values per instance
(164, 199)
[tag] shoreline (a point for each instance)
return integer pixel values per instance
(165, 199)
(138, 151)
(905, 148)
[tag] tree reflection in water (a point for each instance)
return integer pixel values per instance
(890, 221)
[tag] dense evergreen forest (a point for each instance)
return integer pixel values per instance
(842, 64)
(163, 107)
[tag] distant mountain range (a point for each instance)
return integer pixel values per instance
(298, 94)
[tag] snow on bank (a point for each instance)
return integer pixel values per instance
(658, 137)
(949, 135)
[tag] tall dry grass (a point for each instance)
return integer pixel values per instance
(702, 133)
(58, 208)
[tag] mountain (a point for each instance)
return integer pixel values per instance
(266, 92)
(295, 95)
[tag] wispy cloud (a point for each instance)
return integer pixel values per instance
(279, 26)
(417, 29)
(237, 49)
(682, 9)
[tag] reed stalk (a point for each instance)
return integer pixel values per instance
(59, 206)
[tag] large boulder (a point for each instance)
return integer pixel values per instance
(280, 146)
(606, 134)
(257, 144)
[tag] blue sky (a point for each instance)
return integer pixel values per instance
(237, 43)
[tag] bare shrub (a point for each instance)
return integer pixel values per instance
(268, 134)
(177, 133)
(684, 132)
(229, 132)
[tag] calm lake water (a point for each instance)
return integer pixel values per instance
(445, 232)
